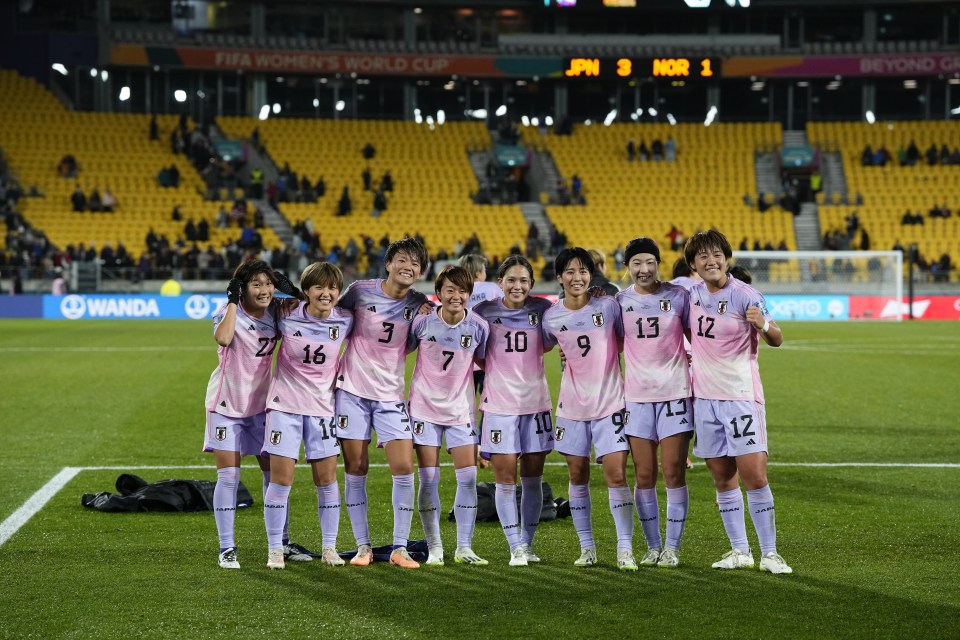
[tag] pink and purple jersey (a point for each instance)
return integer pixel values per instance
(515, 383)
(374, 362)
(483, 291)
(685, 281)
(307, 361)
(441, 389)
(655, 359)
(591, 387)
(724, 343)
(238, 386)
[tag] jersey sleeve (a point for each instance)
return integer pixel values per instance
(413, 338)
(348, 300)
(483, 332)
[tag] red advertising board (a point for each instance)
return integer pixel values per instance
(887, 308)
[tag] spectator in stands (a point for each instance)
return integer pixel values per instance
(853, 224)
(386, 183)
(670, 149)
(656, 147)
(816, 182)
(941, 269)
(744, 244)
(598, 278)
(576, 189)
(631, 150)
(68, 166)
(379, 203)
(913, 153)
(321, 187)
(78, 199)
(866, 157)
(676, 238)
(203, 231)
(154, 128)
(258, 221)
(643, 152)
(955, 156)
(902, 156)
(344, 206)
(107, 202)
(369, 151)
(190, 231)
(367, 178)
(762, 204)
(94, 202)
(932, 155)
(864, 239)
(59, 285)
(881, 156)
(944, 154)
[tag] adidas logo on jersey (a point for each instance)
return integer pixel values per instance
(223, 403)
(276, 398)
(498, 321)
(697, 303)
(629, 309)
(621, 439)
(298, 335)
(372, 308)
(563, 327)
(684, 421)
(431, 339)
(340, 378)
(750, 442)
(251, 328)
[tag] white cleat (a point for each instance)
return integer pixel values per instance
(435, 557)
(651, 557)
(625, 561)
(275, 558)
(518, 557)
(528, 550)
(330, 556)
(588, 558)
(735, 559)
(228, 559)
(465, 555)
(773, 563)
(669, 558)
(296, 553)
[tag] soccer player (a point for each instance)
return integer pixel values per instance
(476, 266)
(683, 275)
(590, 408)
(300, 408)
(442, 406)
(516, 404)
(727, 319)
(657, 392)
(237, 392)
(370, 395)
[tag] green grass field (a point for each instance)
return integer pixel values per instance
(873, 547)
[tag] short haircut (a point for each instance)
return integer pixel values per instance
(513, 261)
(568, 255)
(247, 271)
(706, 241)
(474, 263)
(741, 273)
(598, 258)
(411, 247)
(681, 269)
(458, 277)
(322, 274)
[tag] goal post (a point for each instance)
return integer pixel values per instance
(828, 285)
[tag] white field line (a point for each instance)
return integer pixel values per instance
(37, 501)
(100, 349)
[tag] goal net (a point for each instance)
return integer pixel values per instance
(828, 285)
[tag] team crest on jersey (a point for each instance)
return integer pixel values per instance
(418, 428)
(342, 422)
(533, 318)
(220, 434)
(722, 307)
(466, 341)
(598, 319)
(407, 313)
(495, 436)
(665, 306)
(275, 437)
(334, 332)
(560, 431)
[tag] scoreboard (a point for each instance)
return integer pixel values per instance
(674, 68)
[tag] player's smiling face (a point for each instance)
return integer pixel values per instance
(643, 270)
(403, 270)
(258, 293)
(453, 299)
(575, 278)
(711, 265)
(321, 300)
(516, 284)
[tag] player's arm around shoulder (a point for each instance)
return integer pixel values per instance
(413, 337)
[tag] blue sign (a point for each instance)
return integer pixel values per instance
(131, 307)
(808, 307)
(21, 306)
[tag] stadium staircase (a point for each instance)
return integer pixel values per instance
(534, 213)
(834, 178)
(795, 138)
(806, 227)
(551, 174)
(767, 168)
(275, 220)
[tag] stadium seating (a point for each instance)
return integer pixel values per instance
(113, 151)
(892, 190)
(430, 169)
(704, 188)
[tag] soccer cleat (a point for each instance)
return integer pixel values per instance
(531, 555)
(518, 557)
(465, 555)
(402, 559)
(275, 558)
(228, 559)
(588, 558)
(364, 556)
(669, 558)
(296, 553)
(625, 561)
(651, 557)
(435, 557)
(734, 559)
(330, 556)
(773, 563)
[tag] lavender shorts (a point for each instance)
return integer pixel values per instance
(224, 433)
(729, 428)
(607, 435)
(285, 431)
(530, 433)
